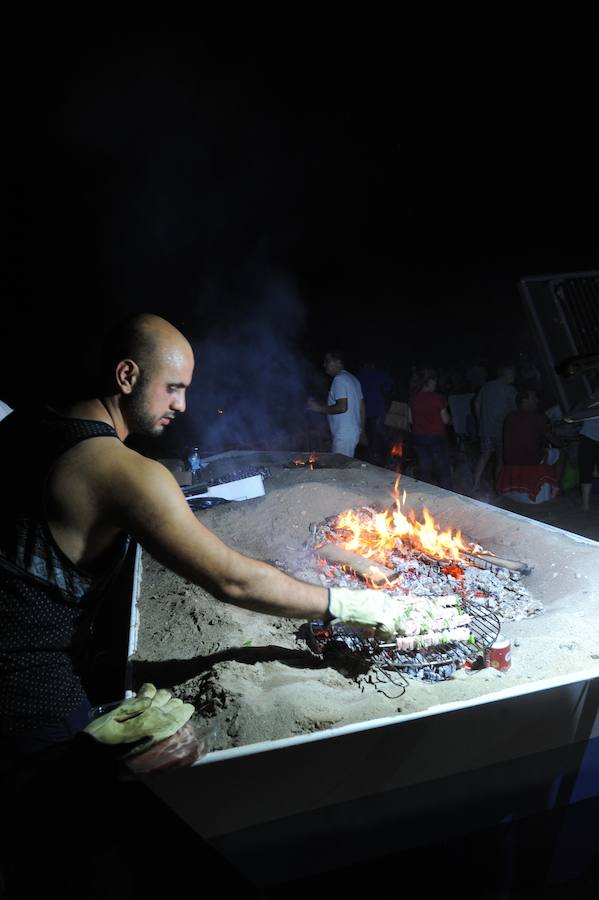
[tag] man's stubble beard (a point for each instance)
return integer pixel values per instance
(140, 420)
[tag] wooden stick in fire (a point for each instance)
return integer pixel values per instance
(490, 561)
(376, 573)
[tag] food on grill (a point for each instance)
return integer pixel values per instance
(409, 560)
(432, 639)
(428, 621)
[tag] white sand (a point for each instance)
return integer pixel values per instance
(270, 686)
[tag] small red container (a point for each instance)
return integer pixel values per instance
(499, 654)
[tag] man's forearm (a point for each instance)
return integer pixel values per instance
(334, 410)
(263, 588)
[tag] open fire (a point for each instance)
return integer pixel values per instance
(376, 544)
(378, 535)
(451, 594)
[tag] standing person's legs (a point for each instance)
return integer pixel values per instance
(346, 444)
(498, 460)
(440, 452)
(588, 455)
(487, 450)
(380, 442)
(370, 428)
(424, 453)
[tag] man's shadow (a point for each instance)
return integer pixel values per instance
(176, 671)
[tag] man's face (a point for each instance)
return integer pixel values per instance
(159, 395)
(331, 365)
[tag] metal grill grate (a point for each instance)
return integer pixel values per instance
(360, 651)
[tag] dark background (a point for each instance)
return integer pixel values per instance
(293, 175)
(279, 178)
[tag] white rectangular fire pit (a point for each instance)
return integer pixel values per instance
(304, 749)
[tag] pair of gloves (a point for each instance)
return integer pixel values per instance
(364, 607)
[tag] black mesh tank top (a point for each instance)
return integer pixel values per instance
(45, 599)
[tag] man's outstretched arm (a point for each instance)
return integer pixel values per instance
(146, 501)
(142, 497)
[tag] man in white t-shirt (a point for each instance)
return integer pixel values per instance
(345, 407)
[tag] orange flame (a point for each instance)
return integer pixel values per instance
(376, 535)
(397, 450)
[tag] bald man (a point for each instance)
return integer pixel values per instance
(65, 525)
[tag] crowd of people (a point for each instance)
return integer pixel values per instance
(493, 419)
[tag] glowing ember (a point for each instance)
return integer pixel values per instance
(312, 459)
(397, 450)
(375, 535)
(453, 569)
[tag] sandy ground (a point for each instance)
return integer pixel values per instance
(251, 677)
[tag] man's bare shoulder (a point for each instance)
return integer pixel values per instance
(112, 472)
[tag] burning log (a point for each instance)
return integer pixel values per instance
(375, 573)
(488, 561)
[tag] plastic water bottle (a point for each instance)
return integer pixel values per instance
(195, 464)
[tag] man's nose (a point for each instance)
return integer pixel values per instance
(178, 402)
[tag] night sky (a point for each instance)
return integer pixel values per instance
(393, 174)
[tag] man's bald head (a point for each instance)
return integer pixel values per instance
(147, 368)
(145, 338)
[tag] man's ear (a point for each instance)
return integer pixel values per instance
(127, 375)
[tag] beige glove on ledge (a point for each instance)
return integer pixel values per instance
(152, 714)
(364, 607)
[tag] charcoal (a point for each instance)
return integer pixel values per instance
(498, 590)
(489, 594)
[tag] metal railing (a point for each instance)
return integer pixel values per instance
(564, 313)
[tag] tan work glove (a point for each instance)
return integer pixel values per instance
(364, 607)
(152, 714)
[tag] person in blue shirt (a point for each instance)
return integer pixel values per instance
(377, 386)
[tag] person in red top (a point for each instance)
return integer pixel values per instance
(528, 465)
(526, 431)
(428, 417)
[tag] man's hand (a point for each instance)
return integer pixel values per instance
(364, 607)
(182, 749)
(312, 405)
(153, 715)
